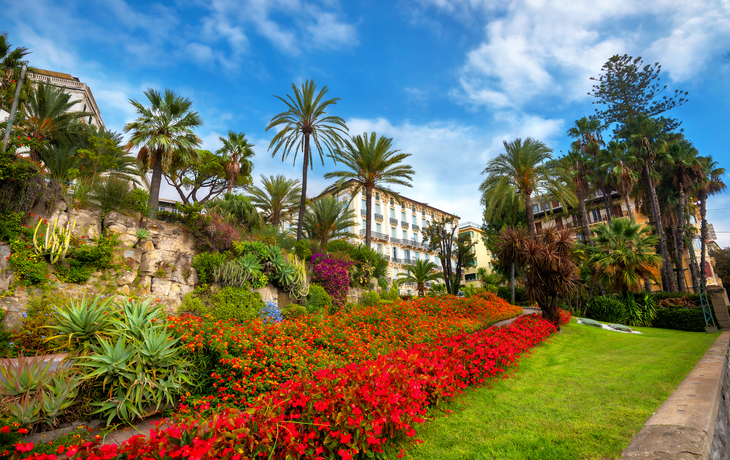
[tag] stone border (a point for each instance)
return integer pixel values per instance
(684, 426)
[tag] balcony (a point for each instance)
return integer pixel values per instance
(376, 235)
(362, 212)
(379, 217)
(393, 221)
(404, 224)
(409, 261)
(415, 227)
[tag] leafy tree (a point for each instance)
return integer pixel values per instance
(624, 255)
(239, 151)
(236, 210)
(61, 162)
(277, 197)
(419, 273)
(627, 89)
(372, 162)
(11, 61)
(48, 117)
(164, 130)
(722, 264)
(101, 152)
(709, 183)
(524, 166)
(550, 273)
(328, 218)
(455, 251)
(204, 173)
(647, 139)
(306, 120)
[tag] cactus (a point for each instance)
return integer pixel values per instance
(56, 240)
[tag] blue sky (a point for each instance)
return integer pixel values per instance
(447, 80)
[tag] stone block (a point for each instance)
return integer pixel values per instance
(160, 286)
(126, 277)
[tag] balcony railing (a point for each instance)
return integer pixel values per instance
(404, 224)
(378, 216)
(376, 235)
(415, 227)
(393, 221)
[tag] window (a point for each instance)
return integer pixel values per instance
(425, 257)
(617, 211)
(89, 119)
(538, 226)
(470, 277)
(392, 213)
(535, 208)
(556, 204)
(596, 215)
(395, 255)
(432, 217)
(415, 237)
(417, 255)
(413, 208)
(84, 109)
(364, 204)
(490, 265)
(414, 219)
(408, 254)
(377, 208)
(378, 228)
(380, 248)
(392, 232)
(377, 195)
(403, 216)
(392, 202)
(405, 234)
(363, 224)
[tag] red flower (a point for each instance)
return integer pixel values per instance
(23, 431)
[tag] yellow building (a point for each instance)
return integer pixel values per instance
(484, 257)
(549, 213)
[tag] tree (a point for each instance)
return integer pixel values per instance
(580, 167)
(238, 149)
(373, 162)
(420, 273)
(624, 255)
(306, 121)
(623, 176)
(11, 61)
(550, 273)
(48, 117)
(722, 264)
(277, 198)
(237, 210)
(489, 281)
(454, 251)
(206, 173)
(327, 219)
(524, 166)
(628, 90)
(709, 183)
(101, 152)
(164, 130)
(647, 139)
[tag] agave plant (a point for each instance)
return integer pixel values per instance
(238, 272)
(59, 394)
(24, 375)
(25, 410)
(82, 323)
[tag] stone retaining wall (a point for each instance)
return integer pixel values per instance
(693, 422)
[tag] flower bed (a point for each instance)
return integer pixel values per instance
(242, 361)
(338, 413)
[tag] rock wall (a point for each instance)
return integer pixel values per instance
(720, 448)
(160, 266)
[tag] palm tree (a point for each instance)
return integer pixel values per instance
(623, 256)
(48, 116)
(328, 218)
(61, 162)
(164, 129)
(490, 281)
(420, 273)
(646, 135)
(524, 166)
(306, 118)
(277, 198)
(709, 183)
(101, 151)
(580, 167)
(373, 162)
(238, 149)
(624, 177)
(10, 63)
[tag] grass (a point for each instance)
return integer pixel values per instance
(583, 395)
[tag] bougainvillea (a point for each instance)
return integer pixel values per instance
(332, 275)
(346, 412)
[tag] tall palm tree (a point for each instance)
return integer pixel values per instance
(709, 183)
(647, 137)
(277, 197)
(489, 281)
(683, 160)
(164, 130)
(623, 256)
(48, 116)
(580, 168)
(328, 218)
(239, 150)
(420, 273)
(623, 176)
(373, 162)
(306, 120)
(524, 166)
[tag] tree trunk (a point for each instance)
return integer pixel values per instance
(530, 216)
(512, 283)
(679, 269)
(680, 244)
(667, 283)
(155, 186)
(628, 208)
(303, 200)
(647, 284)
(607, 203)
(584, 218)
(368, 215)
(703, 238)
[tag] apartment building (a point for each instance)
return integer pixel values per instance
(548, 213)
(77, 90)
(484, 258)
(396, 231)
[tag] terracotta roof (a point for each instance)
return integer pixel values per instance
(50, 73)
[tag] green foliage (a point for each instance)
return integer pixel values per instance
(236, 210)
(11, 225)
(85, 258)
(383, 284)
(368, 263)
(689, 296)
(640, 313)
(83, 322)
(370, 299)
(681, 319)
(74, 271)
(607, 309)
(391, 294)
(206, 263)
(142, 234)
(56, 239)
(32, 335)
(29, 267)
(237, 303)
(294, 311)
(505, 293)
(112, 194)
(240, 271)
(319, 300)
(139, 199)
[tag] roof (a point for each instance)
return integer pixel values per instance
(50, 73)
(330, 189)
(470, 224)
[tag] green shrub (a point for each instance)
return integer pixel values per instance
(294, 311)
(74, 271)
(112, 194)
(370, 299)
(301, 249)
(31, 334)
(29, 267)
(319, 300)
(607, 309)
(681, 319)
(11, 225)
(99, 255)
(639, 312)
(383, 284)
(139, 200)
(505, 293)
(205, 264)
(391, 294)
(236, 303)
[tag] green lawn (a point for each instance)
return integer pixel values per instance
(584, 395)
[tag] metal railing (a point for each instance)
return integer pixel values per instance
(393, 221)
(404, 224)
(376, 235)
(378, 216)
(415, 227)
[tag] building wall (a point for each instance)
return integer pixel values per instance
(484, 258)
(77, 91)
